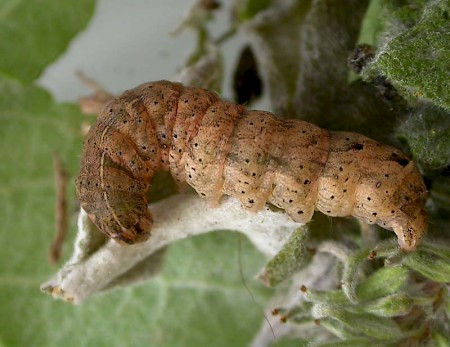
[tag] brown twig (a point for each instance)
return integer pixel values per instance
(60, 172)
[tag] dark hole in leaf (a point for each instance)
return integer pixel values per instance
(247, 84)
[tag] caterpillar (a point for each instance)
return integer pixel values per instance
(221, 148)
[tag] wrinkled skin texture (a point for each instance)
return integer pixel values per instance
(220, 148)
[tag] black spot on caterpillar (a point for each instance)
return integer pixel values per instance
(220, 148)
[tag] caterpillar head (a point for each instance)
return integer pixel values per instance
(114, 200)
(122, 231)
(137, 233)
(116, 215)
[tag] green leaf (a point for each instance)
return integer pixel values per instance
(367, 324)
(397, 304)
(34, 33)
(332, 297)
(439, 230)
(429, 265)
(353, 343)
(292, 257)
(351, 266)
(441, 340)
(380, 285)
(204, 301)
(198, 299)
(250, 8)
(400, 15)
(291, 342)
(32, 128)
(438, 249)
(427, 132)
(322, 81)
(372, 24)
(338, 329)
(417, 60)
(385, 281)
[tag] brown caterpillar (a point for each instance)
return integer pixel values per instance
(220, 148)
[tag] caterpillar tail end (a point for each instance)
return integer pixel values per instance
(410, 234)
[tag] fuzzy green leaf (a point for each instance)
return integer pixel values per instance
(338, 329)
(332, 297)
(441, 339)
(353, 343)
(417, 60)
(438, 249)
(397, 304)
(427, 132)
(429, 265)
(400, 15)
(289, 260)
(351, 266)
(381, 284)
(367, 324)
(34, 33)
(372, 25)
(385, 281)
(250, 8)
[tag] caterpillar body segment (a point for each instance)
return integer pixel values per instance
(220, 148)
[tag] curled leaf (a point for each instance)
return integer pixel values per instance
(94, 268)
